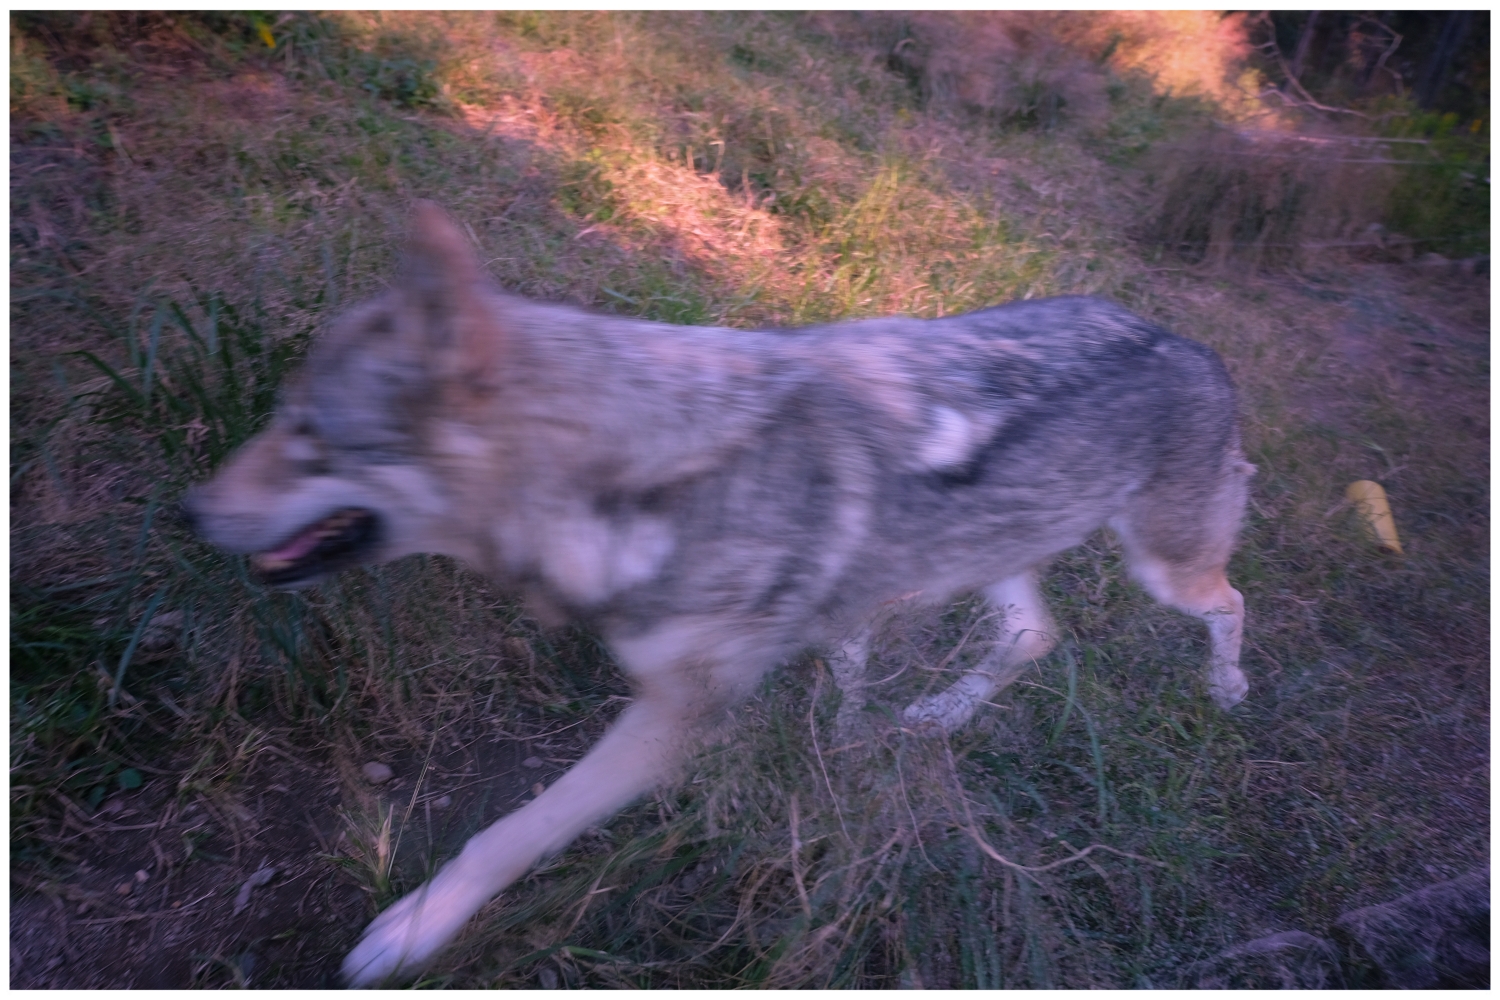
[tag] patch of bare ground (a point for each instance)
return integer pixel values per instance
(157, 879)
(1421, 338)
(161, 877)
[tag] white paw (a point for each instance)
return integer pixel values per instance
(1228, 691)
(399, 942)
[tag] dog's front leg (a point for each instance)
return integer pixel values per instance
(635, 756)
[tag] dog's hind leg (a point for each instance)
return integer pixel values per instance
(635, 756)
(1026, 633)
(848, 663)
(1203, 592)
(1178, 552)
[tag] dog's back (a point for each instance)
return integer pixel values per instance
(936, 457)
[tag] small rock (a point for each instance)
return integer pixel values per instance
(124, 888)
(162, 630)
(141, 876)
(538, 788)
(252, 883)
(548, 978)
(1291, 960)
(1469, 267)
(377, 773)
(442, 802)
(1435, 938)
(532, 762)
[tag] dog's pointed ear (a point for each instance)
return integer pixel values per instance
(443, 282)
(439, 257)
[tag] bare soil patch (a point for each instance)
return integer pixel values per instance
(101, 925)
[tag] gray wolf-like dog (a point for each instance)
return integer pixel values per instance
(715, 501)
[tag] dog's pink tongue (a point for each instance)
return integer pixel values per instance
(296, 548)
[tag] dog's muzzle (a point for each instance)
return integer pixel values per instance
(343, 539)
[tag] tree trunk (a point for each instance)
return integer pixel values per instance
(1304, 42)
(1435, 73)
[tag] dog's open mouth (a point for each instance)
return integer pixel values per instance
(340, 540)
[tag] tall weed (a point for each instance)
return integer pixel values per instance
(1264, 198)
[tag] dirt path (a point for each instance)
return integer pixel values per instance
(163, 883)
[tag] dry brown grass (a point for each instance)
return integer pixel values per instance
(1268, 198)
(1045, 68)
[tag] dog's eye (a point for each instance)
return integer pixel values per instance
(302, 449)
(304, 445)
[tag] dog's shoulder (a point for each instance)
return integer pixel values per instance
(639, 402)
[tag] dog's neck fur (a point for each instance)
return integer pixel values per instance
(640, 387)
(591, 415)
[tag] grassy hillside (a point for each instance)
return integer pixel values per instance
(192, 196)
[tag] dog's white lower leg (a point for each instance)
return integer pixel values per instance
(1026, 634)
(1202, 590)
(1204, 594)
(1227, 685)
(632, 758)
(848, 666)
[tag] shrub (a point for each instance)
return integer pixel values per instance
(1263, 197)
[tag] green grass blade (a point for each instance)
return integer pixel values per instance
(212, 333)
(130, 391)
(157, 321)
(135, 638)
(1072, 698)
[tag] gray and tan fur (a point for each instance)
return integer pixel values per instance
(714, 501)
